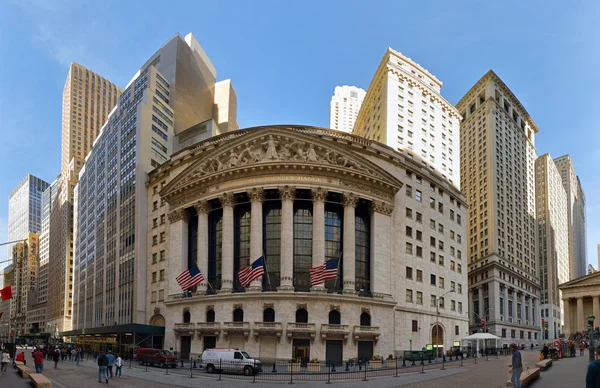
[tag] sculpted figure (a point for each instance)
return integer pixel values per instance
(233, 159)
(311, 154)
(271, 145)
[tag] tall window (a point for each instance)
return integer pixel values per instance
(365, 319)
(333, 243)
(363, 251)
(271, 241)
(192, 236)
(215, 252)
(301, 316)
(241, 246)
(238, 315)
(210, 316)
(186, 317)
(269, 315)
(334, 317)
(302, 243)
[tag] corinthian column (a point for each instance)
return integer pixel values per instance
(318, 196)
(202, 258)
(256, 237)
(350, 201)
(227, 248)
(287, 194)
(178, 247)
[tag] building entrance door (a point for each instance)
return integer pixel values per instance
(301, 350)
(186, 346)
(333, 351)
(365, 350)
(210, 342)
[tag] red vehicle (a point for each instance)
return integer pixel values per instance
(160, 357)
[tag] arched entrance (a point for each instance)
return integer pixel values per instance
(157, 320)
(157, 340)
(437, 339)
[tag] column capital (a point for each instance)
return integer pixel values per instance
(350, 199)
(318, 194)
(256, 194)
(226, 199)
(381, 207)
(287, 193)
(176, 215)
(201, 206)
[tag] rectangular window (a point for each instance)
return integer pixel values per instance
(153, 277)
(441, 260)
(408, 272)
(433, 300)
(161, 295)
(441, 302)
(419, 297)
(415, 326)
(460, 289)
(419, 251)
(432, 241)
(432, 202)
(159, 132)
(419, 235)
(432, 257)
(154, 258)
(418, 195)
(409, 296)
(452, 305)
(419, 217)
(432, 224)
(408, 231)
(459, 268)
(408, 191)
(433, 280)
(460, 307)
(441, 282)
(456, 329)
(453, 286)
(441, 207)
(162, 275)
(419, 275)
(409, 248)
(409, 212)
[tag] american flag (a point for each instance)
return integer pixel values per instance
(252, 272)
(190, 278)
(327, 270)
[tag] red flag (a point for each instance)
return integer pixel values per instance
(6, 293)
(1, 314)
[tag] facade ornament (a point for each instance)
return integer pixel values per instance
(300, 306)
(238, 306)
(287, 193)
(201, 206)
(226, 199)
(365, 310)
(210, 307)
(381, 207)
(318, 194)
(334, 307)
(268, 305)
(350, 199)
(156, 310)
(271, 146)
(185, 310)
(256, 194)
(176, 215)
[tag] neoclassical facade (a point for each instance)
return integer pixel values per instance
(299, 196)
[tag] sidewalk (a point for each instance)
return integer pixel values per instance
(12, 379)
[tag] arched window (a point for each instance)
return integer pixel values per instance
(334, 317)
(215, 244)
(365, 319)
(301, 316)
(210, 316)
(241, 239)
(362, 256)
(269, 315)
(186, 317)
(238, 315)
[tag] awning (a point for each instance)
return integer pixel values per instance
(481, 336)
(117, 329)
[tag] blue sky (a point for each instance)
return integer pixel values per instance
(285, 58)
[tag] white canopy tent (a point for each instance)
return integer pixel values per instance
(481, 337)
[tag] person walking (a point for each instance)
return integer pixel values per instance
(532, 346)
(38, 361)
(73, 352)
(592, 378)
(581, 348)
(119, 364)
(56, 358)
(102, 368)
(516, 367)
(4, 361)
(111, 362)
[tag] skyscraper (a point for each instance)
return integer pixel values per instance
(87, 100)
(404, 109)
(174, 88)
(25, 209)
(498, 178)
(577, 220)
(344, 107)
(553, 243)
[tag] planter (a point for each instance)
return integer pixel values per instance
(390, 364)
(293, 367)
(314, 367)
(375, 364)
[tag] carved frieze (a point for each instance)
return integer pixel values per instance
(381, 207)
(176, 215)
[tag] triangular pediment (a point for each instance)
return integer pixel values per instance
(278, 149)
(592, 279)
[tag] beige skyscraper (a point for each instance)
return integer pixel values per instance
(553, 242)
(577, 221)
(87, 100)
(497, 157)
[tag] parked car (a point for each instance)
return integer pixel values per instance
(230, 360)
(160, 357)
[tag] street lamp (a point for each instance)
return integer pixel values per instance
(437, 320)
(591, 352)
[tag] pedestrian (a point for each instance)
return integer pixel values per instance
(119, 364)
(532, 346)
(516, 367)
(5, 361)
(545, 350)
(38, 361)
(56, 358)
(21, 358)
(73, 352)
(111, 361)
(592, 378)
(581, 348)
(102, 368)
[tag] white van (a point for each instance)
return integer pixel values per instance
(230, 360)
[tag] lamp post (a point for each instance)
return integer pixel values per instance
(591, 352)
(485, 314)
(437, 320)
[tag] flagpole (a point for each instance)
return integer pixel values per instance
(266, 269)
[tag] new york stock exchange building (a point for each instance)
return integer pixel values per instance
(299, 196)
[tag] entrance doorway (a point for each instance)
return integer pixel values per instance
(365, 350)
(186, 346)
(301, 350)
(210, 343)
(437, 339)
(333, 351)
